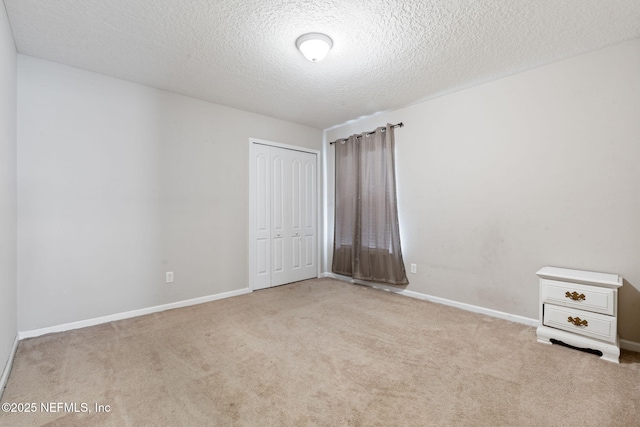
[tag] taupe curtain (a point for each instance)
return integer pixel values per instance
(366, 242)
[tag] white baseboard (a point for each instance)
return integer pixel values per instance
(463, 306)
(625, 344)
(7, 368)
(630, 345)
(128, 314)
(474, 308)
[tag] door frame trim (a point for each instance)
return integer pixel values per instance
(252, 207)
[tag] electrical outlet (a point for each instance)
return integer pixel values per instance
(169, 276)
(414, 268)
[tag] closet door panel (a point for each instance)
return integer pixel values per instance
(280, 216)
(310, 215)
(260, 249)
(304, 227)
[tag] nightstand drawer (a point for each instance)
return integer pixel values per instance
(581, 322)
(583, 297)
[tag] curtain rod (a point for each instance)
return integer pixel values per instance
(399, 125)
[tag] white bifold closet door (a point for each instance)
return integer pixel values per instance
(285, 216)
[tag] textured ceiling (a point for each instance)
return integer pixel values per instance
(386, 54)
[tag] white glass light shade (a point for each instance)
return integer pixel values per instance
(314, 46)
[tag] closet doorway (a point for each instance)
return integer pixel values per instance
(283, 214)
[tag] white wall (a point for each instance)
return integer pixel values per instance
(119, 183)
(497, 181)
(8, 222)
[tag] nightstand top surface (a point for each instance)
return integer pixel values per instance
(608, 280)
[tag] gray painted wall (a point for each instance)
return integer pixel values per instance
(497, 181)
(120, 183)
(8, 282)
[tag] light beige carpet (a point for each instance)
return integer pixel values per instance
(323, 353)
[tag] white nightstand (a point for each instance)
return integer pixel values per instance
(580, 309)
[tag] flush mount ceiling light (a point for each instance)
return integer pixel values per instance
(314, 46)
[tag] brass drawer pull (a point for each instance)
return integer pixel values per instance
(574, 296)
(577, 321)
